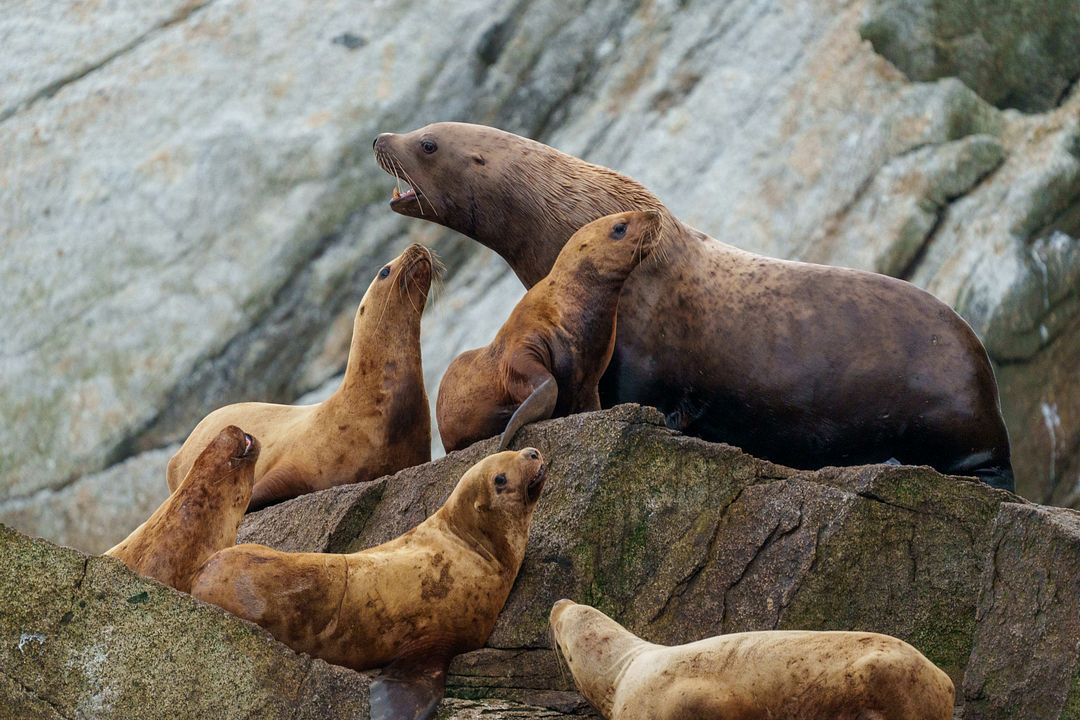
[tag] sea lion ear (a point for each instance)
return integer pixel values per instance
(478, 159)
(409, 689)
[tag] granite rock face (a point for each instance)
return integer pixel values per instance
(191, 212)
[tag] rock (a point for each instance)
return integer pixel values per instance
(1014, 53)
(83, 637)
(1027, 613)
(191, 211)
(682, 539)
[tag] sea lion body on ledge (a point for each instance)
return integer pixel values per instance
(375, 424)
(547, 358)
(786, 675)
(200, 518)
(412, 603)
(806, 365)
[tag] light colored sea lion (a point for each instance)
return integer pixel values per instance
(410, 604)
(548, 357)
(779, 675)
(376, 423)
(803, 364)
(200, 518)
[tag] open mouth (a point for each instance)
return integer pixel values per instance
(249, 445)
(398, 197)
(536, 485)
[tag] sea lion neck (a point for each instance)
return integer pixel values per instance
(594, 640)
(384, 341)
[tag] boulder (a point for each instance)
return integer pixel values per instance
(681, 539)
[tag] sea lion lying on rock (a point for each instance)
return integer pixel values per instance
(375, 424)
(548, 357)
(805, 365)
(200, 517)
(410, 604)
(779, 675)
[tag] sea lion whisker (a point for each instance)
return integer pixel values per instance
(419, 192)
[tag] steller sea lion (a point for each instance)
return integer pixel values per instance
(410, 604)
(376, 423)
(805, 365)
(548, 357)
(782, 674)
(199, 518)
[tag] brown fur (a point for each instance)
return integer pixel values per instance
(436, 590)
(375, 424)
(779, 675)
(563, 328)
(803, 364)
(200, 518)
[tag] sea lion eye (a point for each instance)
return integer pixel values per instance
(428, 146)
(619, 231)
(385, 272)
(500, 480)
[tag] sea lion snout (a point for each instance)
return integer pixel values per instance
(558, 609)
(381, 141)
(535, 484)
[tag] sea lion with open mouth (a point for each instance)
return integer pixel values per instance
(548, 357)
(376, 423)
(806, 365)
(200, 518)
(411, 604)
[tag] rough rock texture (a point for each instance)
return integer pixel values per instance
(681, 539)
(1014, 54)
(190, 210)
(676, 537)
(1026, 661)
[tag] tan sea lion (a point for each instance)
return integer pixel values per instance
(375, 424)
(410, 604)
(803, 364)
(548, 357)
(779, 675)
(200, 517)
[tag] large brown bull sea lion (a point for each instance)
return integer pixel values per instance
(547, 358)
(780, 675)
(806, 365)
(376, 423)
(410, 604)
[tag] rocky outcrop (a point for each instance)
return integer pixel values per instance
(675, 537)
(681, 539)
(191, 210)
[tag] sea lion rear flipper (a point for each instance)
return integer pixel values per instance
(409, 689)
(538, 406)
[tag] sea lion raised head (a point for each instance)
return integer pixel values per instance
(200, 518)
(549, 355)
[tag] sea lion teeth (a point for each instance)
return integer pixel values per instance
(396, 194)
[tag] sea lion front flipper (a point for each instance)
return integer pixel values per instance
(538, 406)
(409, 689)
(284, 482)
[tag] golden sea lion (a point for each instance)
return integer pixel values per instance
(376, 423)
(548, 357)
(200, 517)
(777, 675)
(410, 604)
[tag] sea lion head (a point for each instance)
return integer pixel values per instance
(596, 649)
(399, 291)
(519, 197)
(232, 449)
(611, 247)
(494, 501)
